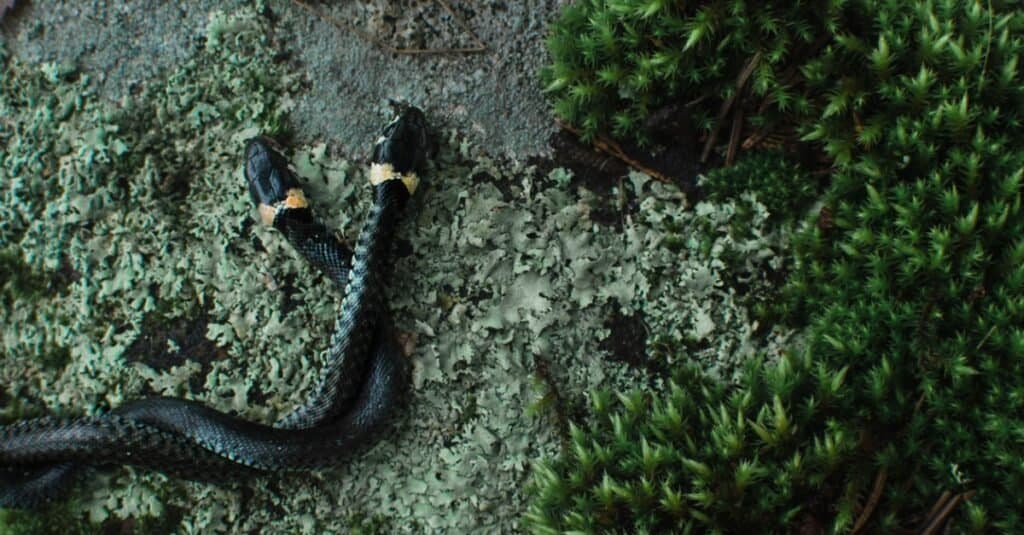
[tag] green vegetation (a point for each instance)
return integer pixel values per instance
(783, 186)
(56, 520)
(910, 284)
(362, 524)
(616, 61)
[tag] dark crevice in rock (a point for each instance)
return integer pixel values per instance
(627, 341)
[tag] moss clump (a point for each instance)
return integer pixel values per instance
(614, 62)
(917, 282)
(910, 381)
(784, 187)
(700, 457)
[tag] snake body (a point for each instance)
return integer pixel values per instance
(363, 378)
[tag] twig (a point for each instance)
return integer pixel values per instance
(342, 24)
(755, 139)
(734, 137)
(763, 131)
(940, 517)
(787, 78)
(869, 508)
(946, 495)
(696, 101)
(723, 112)
(609, 146)
(984, 338)
(481, 47)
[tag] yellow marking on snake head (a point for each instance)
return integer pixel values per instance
(267, 213)
(382, 172)
(295, 199)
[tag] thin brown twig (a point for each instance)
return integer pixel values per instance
(341, 24)
(609, 146)
(763, 131)
(755, 139)
(723, 112)
(788, 77)
(696, 101)
(919, 403)
(481, 47)
(985, 338)
(869, 508)
(941, 514)
(939, 504)
(734, 137)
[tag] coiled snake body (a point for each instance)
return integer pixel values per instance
(361, 382)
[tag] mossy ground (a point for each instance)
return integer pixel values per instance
(132, 218)
(908, 277)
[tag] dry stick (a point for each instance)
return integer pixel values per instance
(984, 338)
(943, 514)
(762, 132)
(734, 137)
(943, 499)
(741, 83)
(342, 24)
(406, 51)
(869, 508)
(608, 146)
(788, 77)
(695, 101)
(755, 139)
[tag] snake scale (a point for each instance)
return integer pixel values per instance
(361, 382)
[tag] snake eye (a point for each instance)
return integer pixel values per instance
(266, 171)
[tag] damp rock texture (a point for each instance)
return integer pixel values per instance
(133, 266)
(345, 52)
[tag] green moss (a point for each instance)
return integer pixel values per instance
(781, 184)
(615, 62)
(911, 295)
(62, 519)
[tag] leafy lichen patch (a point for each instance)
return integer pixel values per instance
(147, 206)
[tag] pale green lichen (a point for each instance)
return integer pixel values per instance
(139, 216)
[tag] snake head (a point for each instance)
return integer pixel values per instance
(405, 142)
(267, 173)
(271, 183)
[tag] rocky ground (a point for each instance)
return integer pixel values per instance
(346, 52)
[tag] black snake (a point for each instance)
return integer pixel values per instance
(364, 376)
